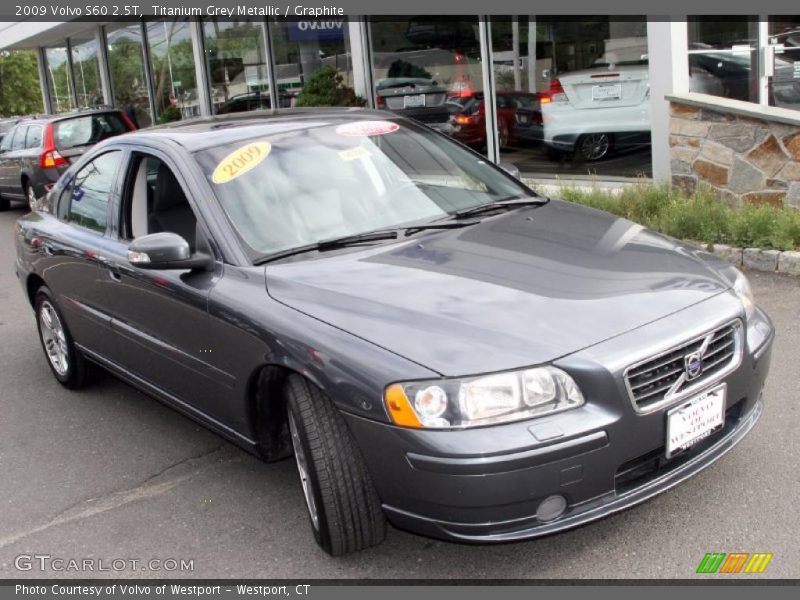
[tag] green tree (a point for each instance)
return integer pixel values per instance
(325, 88)
(20, 92)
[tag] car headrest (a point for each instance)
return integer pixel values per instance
(168, 193)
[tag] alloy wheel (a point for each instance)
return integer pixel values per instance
(594, 146)
(302, 469)
(31, 196)
(55, 340)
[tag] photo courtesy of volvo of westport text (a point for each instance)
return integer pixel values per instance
(100, 590)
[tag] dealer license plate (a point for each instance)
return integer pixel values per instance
(414, 101)
(607, 92)
(695, 419)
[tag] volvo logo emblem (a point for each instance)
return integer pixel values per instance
(693, 365)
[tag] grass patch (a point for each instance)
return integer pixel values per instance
(703, 217)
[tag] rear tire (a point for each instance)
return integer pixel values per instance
(343, 505)
(592, 146)
(554, 154)
(68, 365)
(503, 135)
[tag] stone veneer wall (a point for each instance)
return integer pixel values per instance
(745, 159)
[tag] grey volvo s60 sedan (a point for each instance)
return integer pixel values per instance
(435, 344)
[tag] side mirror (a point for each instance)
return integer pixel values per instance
(166, 250)
(511, 169)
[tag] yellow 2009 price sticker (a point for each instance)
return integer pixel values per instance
(240, 161)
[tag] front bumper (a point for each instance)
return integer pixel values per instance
(485, 484)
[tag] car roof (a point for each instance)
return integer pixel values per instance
(64, 116)
(206, 132)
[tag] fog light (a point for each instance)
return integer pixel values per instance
(551, 508)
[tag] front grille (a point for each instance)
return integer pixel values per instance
(666, 377)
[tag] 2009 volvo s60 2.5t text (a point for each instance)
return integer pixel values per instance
(436, 344)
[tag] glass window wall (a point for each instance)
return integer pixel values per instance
(128, 80)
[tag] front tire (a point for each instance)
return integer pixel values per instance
(66, 362)
(343, 506)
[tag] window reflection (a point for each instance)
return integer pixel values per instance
(58, 80)
(86, 70)
(127, 73)
(237, 65)
(784, 85)
(723, 57)
(572, 96)
(309, 47)
(172, 61)
(426, 68)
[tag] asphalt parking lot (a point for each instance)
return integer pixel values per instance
(108, 473)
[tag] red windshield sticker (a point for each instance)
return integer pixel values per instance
(367, 128)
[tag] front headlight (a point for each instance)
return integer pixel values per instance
(742, 288)
(469, 402)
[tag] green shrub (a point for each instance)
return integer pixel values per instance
(326, 88)
(702, 217)
(169, 114)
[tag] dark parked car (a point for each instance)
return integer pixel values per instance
(435, 343)
(518, 117)
(35, 153)
(423, 100)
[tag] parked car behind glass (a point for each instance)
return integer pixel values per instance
(37, 151)
(594, 111)
(518, 114)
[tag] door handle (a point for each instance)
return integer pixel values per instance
(111, 267)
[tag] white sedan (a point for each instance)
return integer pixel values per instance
(591, 112)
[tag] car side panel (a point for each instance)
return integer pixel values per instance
(10, 169)
(248, 330)
(62, 255)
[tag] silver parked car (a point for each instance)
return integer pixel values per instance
(35, 153)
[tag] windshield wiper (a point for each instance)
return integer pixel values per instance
(330, 244)
(357, 238)
(412, 229)
(362, 238)
(505, 204)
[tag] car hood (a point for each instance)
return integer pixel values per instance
(515, 290)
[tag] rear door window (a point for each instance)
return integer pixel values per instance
(34, 137)
(18, 143)
(88, 130)
(5, 146)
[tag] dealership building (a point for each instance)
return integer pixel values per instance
(709, 101)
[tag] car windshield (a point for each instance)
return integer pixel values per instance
(322, 181)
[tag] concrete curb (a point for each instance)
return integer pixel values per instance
(757, 259)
